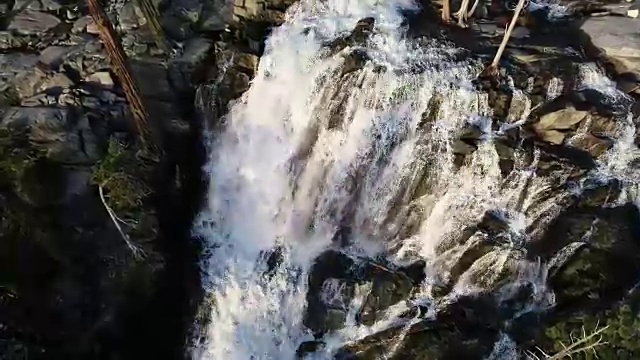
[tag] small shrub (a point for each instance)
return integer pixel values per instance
(123, 178)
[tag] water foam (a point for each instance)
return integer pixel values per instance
(308, 149)
(255, 202)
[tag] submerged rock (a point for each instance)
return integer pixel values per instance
(465, 329)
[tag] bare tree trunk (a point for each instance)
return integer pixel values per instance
(118, 60)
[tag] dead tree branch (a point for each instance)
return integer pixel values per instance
(588, 343)
(493, 68)
(137, 253)
(121, 68)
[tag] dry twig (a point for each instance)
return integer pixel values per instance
(137, 252)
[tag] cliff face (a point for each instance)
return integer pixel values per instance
(96, 255)
(97, 260)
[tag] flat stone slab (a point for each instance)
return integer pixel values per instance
(617, 39)
(30, 22)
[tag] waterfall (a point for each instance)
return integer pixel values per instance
(320, 155)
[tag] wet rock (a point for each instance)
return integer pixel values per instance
(355, 61)
(387, 289)
(492, 270)
(29, 22)
(308, 347)
(246, 62)
(364, 28)
(235, 81)
(451, 264)
(463, 148)
(461, 331)
(615, 40)
(595, 146)
(468, 141)
(65, 137)
(602, 126)
(494, 222)
(552, 127)
(331, 287)
(357, 37)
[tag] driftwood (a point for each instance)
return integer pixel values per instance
(118, 60)
(492, 69)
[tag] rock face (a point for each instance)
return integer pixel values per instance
(71, 287)
(617, 39)
(71, 284)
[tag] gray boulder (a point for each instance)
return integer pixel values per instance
(30, 22)
(60, 134)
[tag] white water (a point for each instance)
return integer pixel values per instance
(281, 177)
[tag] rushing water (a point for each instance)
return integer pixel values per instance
(309, 150)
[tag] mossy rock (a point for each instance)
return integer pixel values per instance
(607, 266)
